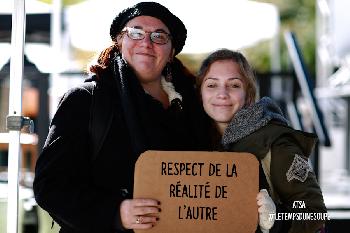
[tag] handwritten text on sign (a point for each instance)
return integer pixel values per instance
(197, 190)
(200, 191)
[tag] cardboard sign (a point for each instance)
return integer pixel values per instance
(200, 191)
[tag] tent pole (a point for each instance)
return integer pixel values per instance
(15, 111)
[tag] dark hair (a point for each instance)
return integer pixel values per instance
(245, 70)
(103, 60)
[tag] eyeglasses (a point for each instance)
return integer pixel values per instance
(157, 37)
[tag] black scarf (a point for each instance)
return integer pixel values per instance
(148, 124)
(125, 80)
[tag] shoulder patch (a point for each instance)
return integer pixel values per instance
(299, 169)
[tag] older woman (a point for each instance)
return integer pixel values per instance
(228, 92)
(139, 97)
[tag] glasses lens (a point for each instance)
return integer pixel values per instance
(135, 33)
(139, 34)
(159, 37)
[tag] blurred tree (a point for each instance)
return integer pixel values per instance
(297, 16)
(192, 61)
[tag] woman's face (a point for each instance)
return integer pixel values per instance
(223, 92)
(147, 58)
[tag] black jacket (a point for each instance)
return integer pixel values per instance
(86, 167)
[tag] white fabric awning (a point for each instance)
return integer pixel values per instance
(211, 24)
(32, 7)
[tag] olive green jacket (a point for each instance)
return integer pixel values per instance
(261, 129)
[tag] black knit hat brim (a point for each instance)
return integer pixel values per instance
(177, 29)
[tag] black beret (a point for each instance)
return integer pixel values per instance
(177, 29)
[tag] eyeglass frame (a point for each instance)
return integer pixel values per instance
(126, 30)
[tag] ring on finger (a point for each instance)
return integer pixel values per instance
(138, 220)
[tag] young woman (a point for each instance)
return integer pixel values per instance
(228, 93)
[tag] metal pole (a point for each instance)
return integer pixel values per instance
(56, 49)
(15, 109)
(306, 88)
(275, 56)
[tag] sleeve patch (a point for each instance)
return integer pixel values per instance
(299, 169)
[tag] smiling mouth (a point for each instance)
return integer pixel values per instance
(222, 105)
(146, 54)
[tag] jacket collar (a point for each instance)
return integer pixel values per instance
(252, 118)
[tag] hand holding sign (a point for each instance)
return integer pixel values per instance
(139, 213)
(200, 191)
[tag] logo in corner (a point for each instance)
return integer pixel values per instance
(299, 169)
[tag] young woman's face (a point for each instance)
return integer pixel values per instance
(223, 91)
(147, 58)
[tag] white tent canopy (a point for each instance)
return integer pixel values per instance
(31, 6)
(211, 24)
(7, 8)
(232, 24)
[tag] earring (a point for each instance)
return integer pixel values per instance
(168, 74)
(117, 48)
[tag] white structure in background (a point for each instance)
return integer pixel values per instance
(15, 110)
(47, 58)
(333, 52)
(53, 58)
(333, 92)
(210, 24)
(6, 7)
(333, 41)
(26, 203)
